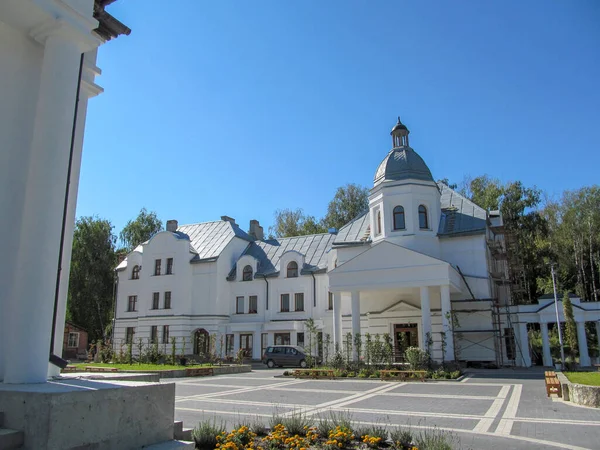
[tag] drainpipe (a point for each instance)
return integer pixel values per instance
(114, 320)
(267, 298)
(314, 290)
(54, 359)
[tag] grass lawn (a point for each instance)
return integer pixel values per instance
(589, 378)
(140, 367)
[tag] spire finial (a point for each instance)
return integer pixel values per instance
(399, 135)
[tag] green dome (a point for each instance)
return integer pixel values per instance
(402, 163)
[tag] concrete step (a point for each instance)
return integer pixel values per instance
(183, 434)
(11, 439)
(171, 445)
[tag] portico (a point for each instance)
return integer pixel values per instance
(388, 285)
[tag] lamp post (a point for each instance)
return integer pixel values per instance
(560, 339)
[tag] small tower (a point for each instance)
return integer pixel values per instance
(399, 135)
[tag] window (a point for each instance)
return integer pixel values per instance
(282, 338)
(300, 339)
(246, 341)
(154, 334)
(135, 273)
(155, 299)
(167, 299)
(129, 335)
(299, 301)
(239, 305)
(330, 300)
(247, 274)
(378, 222)
(169, 266)
(423, 223)
(73, 340)
(399, 223)
(285, 302)
(165, 336)
(229, 344)
(252, 304)
(292, 269)
(157, 263)
(132, 300)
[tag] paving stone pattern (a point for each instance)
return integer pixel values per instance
(488, 409)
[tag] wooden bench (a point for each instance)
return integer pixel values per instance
(70, 369)
(100, 369)
(313, 373)
(597, 366)
(199, 372)
(552, 384)
(402, 374)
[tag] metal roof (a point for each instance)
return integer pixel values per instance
(459, 214)
(314, 247)
(402, 163)
(208, 239)
(357, 231)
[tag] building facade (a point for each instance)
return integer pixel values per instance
(421, 265)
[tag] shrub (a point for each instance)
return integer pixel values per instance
(416, 358)
(364, 373)
(401, 438)
(287, 373)
(296, 423)
(338, 438)
(205, 434)
(434, 439)
(275, 419)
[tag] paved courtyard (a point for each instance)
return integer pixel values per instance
(492, 410)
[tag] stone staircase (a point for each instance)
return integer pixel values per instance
(10, 439)
(182, 440)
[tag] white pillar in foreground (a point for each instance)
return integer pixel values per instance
(584, 356)
(355, 297)
(31, 298)
(447, 322)
(425, 316)
(337, 321)
(546, 354)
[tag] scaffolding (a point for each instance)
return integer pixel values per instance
(508, 289)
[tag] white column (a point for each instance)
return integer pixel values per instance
(425, 316)
(355, 297)
(584, 356)
(447, 321)
(598, 334)
(236, 344)
(31, 298)
(523, 349)
(337, 321)
(256, 344)
(547, 356)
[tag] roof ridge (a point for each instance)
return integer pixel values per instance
(201, 223)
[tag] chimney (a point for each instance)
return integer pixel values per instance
(228, 219)
(172, 225)
(256, 231)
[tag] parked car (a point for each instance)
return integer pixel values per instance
(286, 355)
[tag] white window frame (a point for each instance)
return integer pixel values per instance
(76, 335)
(239, 310)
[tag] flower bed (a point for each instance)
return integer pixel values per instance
(333, 433)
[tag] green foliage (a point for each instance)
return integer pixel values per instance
(401, 438)
(348, 202)
(326, 347)
(296, 422)
(290, 222)
(416, 358)
(140, 229)
(436, 439)
(205, 434)
(91, 282)
(338, 358)
(570, 326)
(374, 431)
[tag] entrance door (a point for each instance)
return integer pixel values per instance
(405, 335)
(246, 345)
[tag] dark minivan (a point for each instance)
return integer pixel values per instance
(285, 355)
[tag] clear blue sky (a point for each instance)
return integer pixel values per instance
(239, 108)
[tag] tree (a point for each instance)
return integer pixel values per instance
(93, 260)
(290, 222)
(139, 230)
(570, 326)
(349, 202)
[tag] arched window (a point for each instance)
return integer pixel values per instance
(399, 223)
(135, 273)
(423, 222)
(378, 222)
(247, 274)
(292, 269)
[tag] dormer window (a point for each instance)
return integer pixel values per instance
(135, 273)
(247, 273)
(423, 221)
(292, 269)
(399, 222)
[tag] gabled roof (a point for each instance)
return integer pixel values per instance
(459, 214)
(314, 247)
(208, 239)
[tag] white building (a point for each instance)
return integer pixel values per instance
(421, 264)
